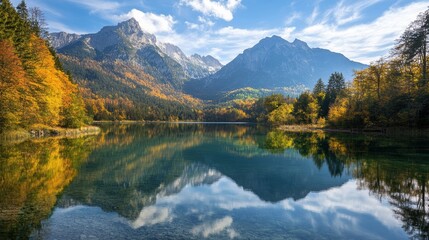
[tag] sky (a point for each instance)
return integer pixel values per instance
(362, 30)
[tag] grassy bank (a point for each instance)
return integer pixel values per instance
(388, 131)
(42, 131)
(302, 128)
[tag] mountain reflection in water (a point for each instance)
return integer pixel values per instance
(193, 181)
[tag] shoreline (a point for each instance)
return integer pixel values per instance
(45, 132)
(382, 131)
(179, 122)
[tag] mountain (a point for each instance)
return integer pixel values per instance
(273, 63)
(61, 39)
(194, 66)
(123, 74)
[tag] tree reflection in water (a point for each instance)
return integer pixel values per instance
(127, 167)
(32, 174)
(380, 164)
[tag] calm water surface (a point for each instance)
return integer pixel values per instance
(210, 181)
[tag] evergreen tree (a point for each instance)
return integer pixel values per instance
(22, 10)
(319, 92)
(9, 20)
(319, 87)
(336, 86)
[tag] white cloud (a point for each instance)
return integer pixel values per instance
(150, 22)
(224, 43)
(152, 215)
(363, 42)
(338, 29)
(314, 13)
(98, 5)
(219, 9)
(215, 227)
(292, 18)
(345, 13)
(202, 25)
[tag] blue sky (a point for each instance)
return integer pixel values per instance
(362, 30)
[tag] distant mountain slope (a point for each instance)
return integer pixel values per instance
(273, 63)
(194, 66)
(123, 74)
(61, 39)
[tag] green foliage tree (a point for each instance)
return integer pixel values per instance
(306, 109)
(274, 101)
(336, 86)
(22, 10)
(319, 92)
(319, 87)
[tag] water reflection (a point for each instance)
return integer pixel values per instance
(193, 181)
(32, 174)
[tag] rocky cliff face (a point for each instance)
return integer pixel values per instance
(127, 38)
(61, 39)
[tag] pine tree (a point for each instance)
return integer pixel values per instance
(8, 20)
(22, 10)
(319, 87)
(319, 92)
(336, 85)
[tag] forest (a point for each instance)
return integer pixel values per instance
(34, 89)
(391, 92)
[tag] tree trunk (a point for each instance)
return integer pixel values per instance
(424, 70)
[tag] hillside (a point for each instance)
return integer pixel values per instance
(123, 74)
(34, 89)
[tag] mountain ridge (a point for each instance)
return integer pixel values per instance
(123, 74)
(273, 63)
(193, 67)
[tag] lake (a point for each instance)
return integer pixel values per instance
(214, 181)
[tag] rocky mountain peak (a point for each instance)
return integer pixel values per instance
(61, 39)
(269, 42)
(130, 26)
(127, 39)
(301, 44)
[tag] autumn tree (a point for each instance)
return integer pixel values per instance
(33, 87)
(12, 77)
(281, 115)
(274, 101)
